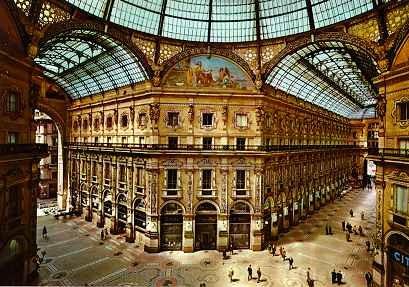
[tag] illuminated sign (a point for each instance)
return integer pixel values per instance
(400, 257)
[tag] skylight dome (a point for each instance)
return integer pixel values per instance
(224, 20)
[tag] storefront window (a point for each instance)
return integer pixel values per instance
(401, 200)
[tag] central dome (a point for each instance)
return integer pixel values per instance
(224, 20)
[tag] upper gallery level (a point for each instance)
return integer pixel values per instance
(325, 53)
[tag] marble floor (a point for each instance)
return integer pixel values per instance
(76, 256)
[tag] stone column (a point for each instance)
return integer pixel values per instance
(188, 243)
(317, 199)
(274, 224)
(311, 201)
(130, 232)
(296, 213)
(152, 219)
(114, 222)
(286, 219)
(222, 231)
(256, 231)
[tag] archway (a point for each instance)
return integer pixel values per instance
(139, 215)
(171, 227)
(267, 221)
(206, 226)
(398, 259)
(239, 225)
(122, 213)
(94, 200)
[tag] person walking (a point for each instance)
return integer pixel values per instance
(284, 254)
(369, 279)
(339, 277)
(343, 225)
(360, 230)
(102, 234)
(231, 273)
(368, 245)
(362, 215)
(326, 229)
(351, 212)
(281, 250)
(309, 279)
(330, 229)
(273, 249)
(45, 236)
(106, 232)
(333, 277)
(249, 273)
(290, 263)
(258, 275)
(231, 248)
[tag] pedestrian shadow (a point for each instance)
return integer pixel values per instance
(235, 280)
(263, 280)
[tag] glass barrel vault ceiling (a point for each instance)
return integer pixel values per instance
(332, 75)
(85, 62)
(222, 20)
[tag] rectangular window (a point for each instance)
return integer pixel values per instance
(241, 143)
(142, 120)
(173, 142)
(401, 200)
(12, 138)
(207, 143)
(124, 140)
(207, 120)
(94, 169)
(172, 175)
(107, 171)
(241, 120)
(122, 173)
(108, 139)
(54, 159)
(403, 108)
(173, 119)
(240, 179)
(141, 141)
(96, 140)
(206, 180)
(11, 105)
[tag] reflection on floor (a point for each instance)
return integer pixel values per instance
(75, 255)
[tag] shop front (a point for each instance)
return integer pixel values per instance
(171, 227)
(239, 228)
(122, 213)
(398, 261)
(206, 227)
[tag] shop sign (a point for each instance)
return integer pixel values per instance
(400, 257)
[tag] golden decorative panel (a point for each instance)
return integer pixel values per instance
(24, 5)
(367, 30)
(52, 14)
(167, 51)
(269, 52)
(147, 47)
(249, 55)
(397, 18)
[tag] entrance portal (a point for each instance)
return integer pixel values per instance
(240, 225)
(206, 227)
(171, 227)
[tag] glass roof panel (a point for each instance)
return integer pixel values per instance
(94, 7)
(327, 74)
(141, 15)
(327, 12)
(282, 17)
(233, 21)
(86, 62)
(189, 19)
(186, 20)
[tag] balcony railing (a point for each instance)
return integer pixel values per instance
(392, 152)
(34, 149)
(187, 147)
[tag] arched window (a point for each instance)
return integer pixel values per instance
(109, 122)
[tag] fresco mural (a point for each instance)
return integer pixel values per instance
(205, 71)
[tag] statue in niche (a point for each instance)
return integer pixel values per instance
(154, 112)
(260, 115)
(132, 113)
(191, 113)
(225, 112)
(116, 116)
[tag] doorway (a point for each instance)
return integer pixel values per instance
(206, 227)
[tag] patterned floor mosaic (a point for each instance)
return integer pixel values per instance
(76, 256)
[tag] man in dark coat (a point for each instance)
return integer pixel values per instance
(333, 277)
(249, 273)
(369, 279)
(339, 277)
